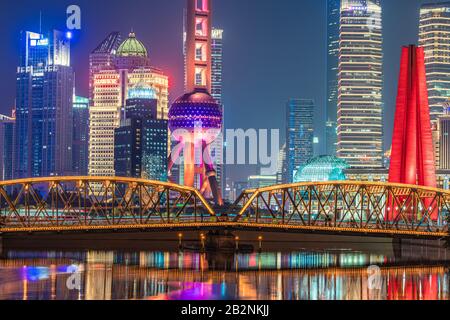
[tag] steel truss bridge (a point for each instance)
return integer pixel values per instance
(81, 204)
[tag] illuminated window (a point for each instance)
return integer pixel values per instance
(201, 27)
(201, 5)
(200, 76)
(200, 52)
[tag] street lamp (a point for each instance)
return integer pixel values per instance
(202, 238)
(237, 243)
(180, 241)
(260, 239)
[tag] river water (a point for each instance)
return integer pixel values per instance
(151, 275)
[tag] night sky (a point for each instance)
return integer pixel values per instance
(273, 50)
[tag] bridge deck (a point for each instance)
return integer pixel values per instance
(233, 226)
(78, 204)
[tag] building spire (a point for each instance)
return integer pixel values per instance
(40, 22)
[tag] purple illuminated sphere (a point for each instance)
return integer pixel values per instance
(196, 112)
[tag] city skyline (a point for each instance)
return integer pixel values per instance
(237, 101)
(121, 179)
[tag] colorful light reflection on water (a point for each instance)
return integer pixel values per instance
(195, 276)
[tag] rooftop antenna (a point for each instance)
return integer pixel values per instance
(40, 22)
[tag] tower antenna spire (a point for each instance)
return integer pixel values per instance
(40, 21)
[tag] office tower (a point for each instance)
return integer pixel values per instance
(102, 58)
(333, 26)
(141, 140)
(6, 146)
(300, 134)
(282, 176)
(216, 64)
(434, 37)
(45, 85)
(444, 138)
(444, 150)
(130, 67)
(261, 181)
(360, 105)
(216, 93)
(80, 148)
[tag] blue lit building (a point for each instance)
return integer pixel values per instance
(44, 101)
(80, 146)
(322, 169)
(6, 147)
(300, 135)
(141, 141)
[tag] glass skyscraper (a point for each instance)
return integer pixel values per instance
(80, 149)
(102, 57)
(141, 141)
(216, 93)
(333, 25)
(360, 104)
(300, 134)
(6, 147)
(434, 37)
(45, 85)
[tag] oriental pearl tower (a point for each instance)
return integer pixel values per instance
(195, 119)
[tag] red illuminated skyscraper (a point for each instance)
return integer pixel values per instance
(412, 159)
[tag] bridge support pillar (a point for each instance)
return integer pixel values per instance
(1, 246)
(220, 240)
(397, 248)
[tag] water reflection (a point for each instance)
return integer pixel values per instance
(192, 276)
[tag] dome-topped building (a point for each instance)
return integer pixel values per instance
(132, 47)
(125, 84)
(322, 169)
(132, 54)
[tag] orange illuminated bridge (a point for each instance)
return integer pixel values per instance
(78, 204)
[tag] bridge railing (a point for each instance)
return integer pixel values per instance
(347, 205)
(56, 203)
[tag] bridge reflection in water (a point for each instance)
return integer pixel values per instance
(160, 275)
(102, 203)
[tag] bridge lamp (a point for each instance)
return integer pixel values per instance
(180, 240)
(260, 239)
(202, 237)
(237, 243)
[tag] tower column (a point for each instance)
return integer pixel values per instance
(189, 165)
(412, 159)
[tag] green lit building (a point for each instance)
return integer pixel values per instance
(322, 169)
